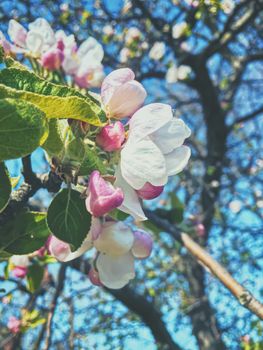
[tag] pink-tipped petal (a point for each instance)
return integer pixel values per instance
(113, 80)
(5, 44)
(126, 99)
(111, 137)
(149, 191)
(20, 271)
(17, 33)
(143, 244)
(102, 196)
(59, 249)
(52, 59)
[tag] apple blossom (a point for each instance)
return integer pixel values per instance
(142, 246)
(154, 149)
(124, 55)
(157, 51)
(148, 191)
(108, 30)
(111, 137)
(14, 324)
(102, 197)
(227, 6)
(175, 73)
(178, 30)
(132, 34)
(121, 94)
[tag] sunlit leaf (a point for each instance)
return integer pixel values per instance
(23, 127)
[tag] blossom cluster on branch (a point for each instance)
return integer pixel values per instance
(138, 146)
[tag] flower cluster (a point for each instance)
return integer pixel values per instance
(19, 265)
(56, 50)
(148, 141)
(144, 143)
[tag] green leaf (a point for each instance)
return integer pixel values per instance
(92, 161)
(118, 215)
(68, 218)
(4, 255)
(57, 101)
(54, 144)
(23, 127)
(74, 153)
(5, 187)
(34, 277)
(25, 234)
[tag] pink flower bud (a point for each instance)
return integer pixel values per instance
(102, 196)
(52, 59)
(143, 244)
(149, 191)
(58, 248)
(14, 324)
(121, 94)
(94, 277)
(19, 271)
(111, 137)
(200, 230)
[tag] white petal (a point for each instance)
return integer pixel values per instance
(113, 80)
(90, 50)
(177, 160)
(126, 99)
(42, 26)
(115, 239)
(86, 245)
(115, 272)
(148, 119)
(20, 260)
(131, 204)
(171, 135)
(70, 64)
(141, 162)
(34, 42)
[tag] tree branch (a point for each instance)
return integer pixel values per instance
(246, 118)
(244, 297)
(140, 306)
(59, 288)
